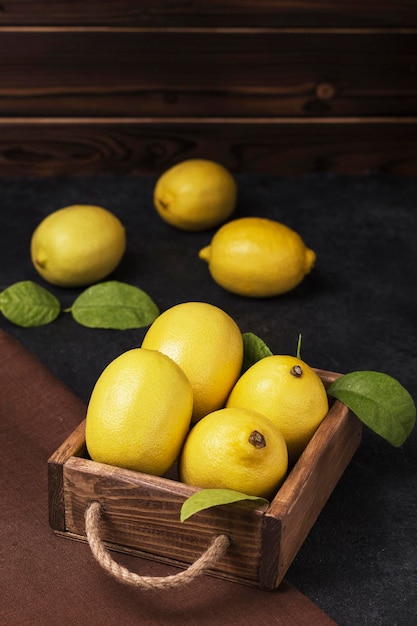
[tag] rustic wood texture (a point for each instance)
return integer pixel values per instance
(285, 146)
(236, 13)
(170, 66)
(192, 73)
(73, 446)
(142, 512)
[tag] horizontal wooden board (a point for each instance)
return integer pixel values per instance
(282, 147)
(372, 13)
(141, 73)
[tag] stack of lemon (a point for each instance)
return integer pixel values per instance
(181, 396)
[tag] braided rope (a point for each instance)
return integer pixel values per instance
(92, 522)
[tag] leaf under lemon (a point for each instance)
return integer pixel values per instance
(379, 401)
(27, 304)
(114, 305)
(254, 349)
(207, 498)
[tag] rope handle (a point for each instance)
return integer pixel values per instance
(92, 529)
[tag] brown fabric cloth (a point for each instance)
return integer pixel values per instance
(46, 579)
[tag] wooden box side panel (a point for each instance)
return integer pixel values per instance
(142, 512)
(307, 488)
(73, 445)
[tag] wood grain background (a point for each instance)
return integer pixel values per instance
(270, 86)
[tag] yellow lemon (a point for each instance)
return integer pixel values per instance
(207, 344)
(139, 412)
(196, 194)
(289, 392)
(235, 449)
(257, 257)
(78, 245)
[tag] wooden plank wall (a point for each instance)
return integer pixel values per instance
(281, 86)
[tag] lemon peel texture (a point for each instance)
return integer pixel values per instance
(78, 245)
(207, 344)
(237, 449)
(139, 412)
(195, 195)
(257, 257)
(289, 392)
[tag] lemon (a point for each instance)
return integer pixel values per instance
(257, 257)
(196, 194)
(234, 449)
(289, 392)
(139, 412)
(207, 344)
(77, 245)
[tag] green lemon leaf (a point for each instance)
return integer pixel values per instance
(207, 498)
(254, 349)
(380, 401)
(28, 304)
(114, 305)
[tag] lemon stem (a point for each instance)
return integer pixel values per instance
(257, 439)
(296, 371)
(299, 346)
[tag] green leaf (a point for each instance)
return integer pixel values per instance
(380, 401)
(254, 349)
(207, 498)
(114, 305)
(28, 304)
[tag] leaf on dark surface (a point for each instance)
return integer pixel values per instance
(27, 304)
(114, 305)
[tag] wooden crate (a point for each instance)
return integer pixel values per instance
(142, 512)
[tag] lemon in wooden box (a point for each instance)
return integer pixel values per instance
(289, 392)
(207, 344)
(236, 449)
(141, 512)
(139, 412)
